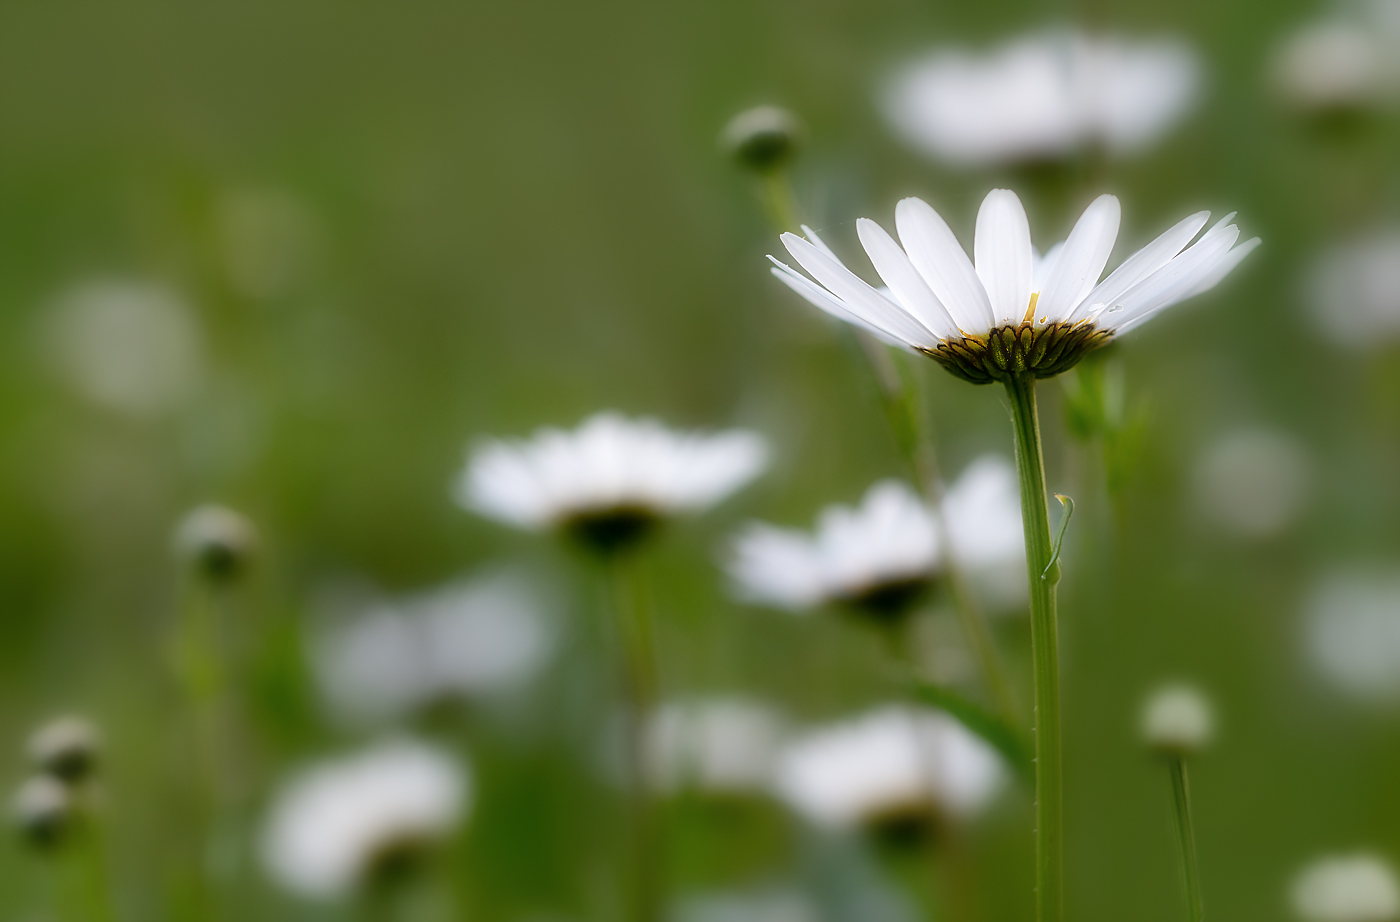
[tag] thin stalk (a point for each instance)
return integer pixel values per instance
(633, 618)
(1186, 838)
(779, 200)
(1049, 797)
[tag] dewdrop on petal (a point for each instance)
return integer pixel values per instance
(216, 541)
(1177, 720)
(763, 139)
(66, 748)
(1347, 888)
(42, 810)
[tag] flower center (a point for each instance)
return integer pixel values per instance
(1019, 348)
(611, 530)
(888, 602)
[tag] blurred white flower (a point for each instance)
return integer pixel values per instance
(716, 745)
(765, 905)
(1352, 632)
(610, 478)
(881, 555)
(1354, 290)
(66, 747)
(215, 540)
(1345, 60)
(977, 321)
(1347, 888)
(1177, 719)
(129, 346)
(983, 512)
(338, 823)
(1041, 97)
(877, 556)
(268, 236)
(887, 766)
(481, 636)
(1253, 481)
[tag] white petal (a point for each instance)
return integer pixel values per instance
(1043, 265)
(1081, 261)
(818, 242)
(1003, 250)
(1142, 263)
(941, 260)
(858, 297)
(1173, 282)
(904, 280)
(828, 302)
(1224, 268)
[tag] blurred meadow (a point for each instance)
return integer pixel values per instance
(298, 258)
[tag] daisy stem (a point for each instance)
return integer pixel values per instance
(1049, 806)
(632, 612)
(1186, 838)
(779, 200)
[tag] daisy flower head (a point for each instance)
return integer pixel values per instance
(1003, 314)
(609, 482)
(1347, 888)
(890, 771)
(352, 823)
(722, 746)
(878, 558)
(1041, 97)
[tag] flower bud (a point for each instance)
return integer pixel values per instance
(43, 810)
(216, 541)
(66, 748)
(1177, 720)
(763, 139)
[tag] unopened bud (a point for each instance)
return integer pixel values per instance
(43, 810)
(66, 748)
(216, 541)
(1177, 720)
(764, 139)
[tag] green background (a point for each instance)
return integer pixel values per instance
(522, 216)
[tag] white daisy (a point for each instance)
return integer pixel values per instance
(989, 321)
(880, 556)
(891, 765)
(1042, 96)
(610, 479)
(1354, 290)
(1347, 888)
(716, 746)
(338, 824)
(1253, 481)
(473, 637)
(1352, 632)
(1345, 60)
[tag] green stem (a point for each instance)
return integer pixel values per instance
(780, 201)
(1186, 838)
(1049, 805)
(633, 619)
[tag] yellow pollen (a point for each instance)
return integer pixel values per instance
(1030, 310)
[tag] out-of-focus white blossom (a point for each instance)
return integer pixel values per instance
(887, 543)
(66, 748)
(765, 905)
(716, 746)
(890, 763)
(334, 823)
(133, 347)
(1253, 481)
(215, 540)
(1177, 719)
(983, 512)
(471, 637)
(879, 554)
(1354, 290)
(1344, 60)
(1042, 96)
(1347, 888)
(1352, 632)
(608, 477)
